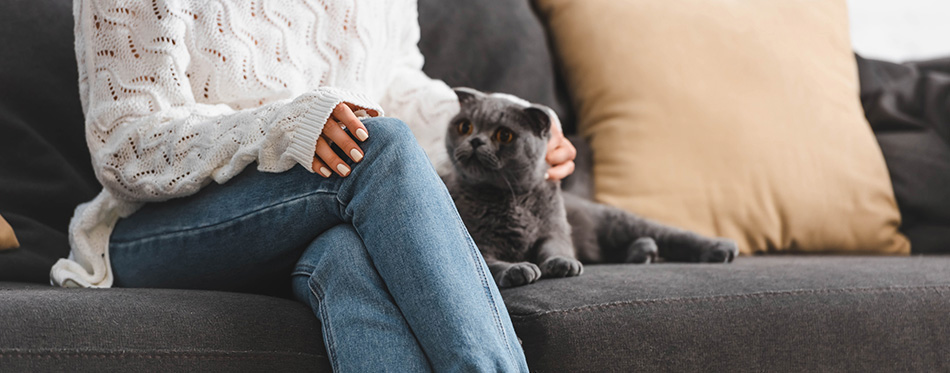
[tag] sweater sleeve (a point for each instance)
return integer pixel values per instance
(426, 105)
(150, 138)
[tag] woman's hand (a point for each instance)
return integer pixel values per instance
(560, 155)
(325, 158)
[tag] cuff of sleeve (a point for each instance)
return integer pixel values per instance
(310, 124)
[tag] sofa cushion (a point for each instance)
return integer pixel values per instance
(54, 329)
(44, 164)
(757, 314)
(492, 45)
(731, 118)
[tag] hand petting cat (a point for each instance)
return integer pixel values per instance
(560, 155)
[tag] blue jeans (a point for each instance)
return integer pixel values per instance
(381, 257)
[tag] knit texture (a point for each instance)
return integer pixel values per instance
(179, 93)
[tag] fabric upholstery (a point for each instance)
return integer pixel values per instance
(54, 329)
(907, 106)
(44, 164)
(7, 236)
(494, 46)
(775, 313)
(758, 314)
(730, 118)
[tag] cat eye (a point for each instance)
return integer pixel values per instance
(465, 128)
(504, 136)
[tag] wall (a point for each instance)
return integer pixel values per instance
(900, 30)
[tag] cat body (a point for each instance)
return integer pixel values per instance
(523, 224)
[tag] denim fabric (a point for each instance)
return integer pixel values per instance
(381, 256)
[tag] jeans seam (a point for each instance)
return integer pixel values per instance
(216, 224)
(303, 269)
(476, 256)
(343, 214)
(331, 348)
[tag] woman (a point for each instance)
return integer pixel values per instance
(178, 94)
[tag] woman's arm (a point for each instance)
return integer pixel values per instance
(149, 137)
(426, 105)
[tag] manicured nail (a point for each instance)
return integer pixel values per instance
(356, 155)
(361, 134)
(547, 176)
(325, 171)
(343, 169)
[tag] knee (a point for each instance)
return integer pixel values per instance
(385, 131)
(343, 264)
(345, 246)
(391, 139)
(339, 249)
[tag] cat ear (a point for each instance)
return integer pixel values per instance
(541, 118)
(466, 94)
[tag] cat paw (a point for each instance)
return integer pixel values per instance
(561, 266)
(643, 250)
(722, 251)
(518, 274)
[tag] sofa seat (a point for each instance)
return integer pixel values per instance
(774, 313)
(133, 330)
(778, 313)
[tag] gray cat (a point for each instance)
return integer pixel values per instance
(525, 227)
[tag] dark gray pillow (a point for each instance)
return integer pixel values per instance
(492, 45)
(908, 106)
(44, 164)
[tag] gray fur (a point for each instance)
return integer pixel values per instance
(525, 227)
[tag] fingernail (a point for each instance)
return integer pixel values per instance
(361, 134)
(547, 176)
(356, 155)
(343, 169)
(325, 171)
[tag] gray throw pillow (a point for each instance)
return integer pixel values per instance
(906, 105)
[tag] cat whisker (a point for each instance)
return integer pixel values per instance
(488, 159)
(513, 195)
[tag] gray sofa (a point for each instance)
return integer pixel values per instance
(774, 313)
(758, 314)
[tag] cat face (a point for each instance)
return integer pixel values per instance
(498, 141)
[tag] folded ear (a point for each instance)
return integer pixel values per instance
(466, 94)
(540, 118)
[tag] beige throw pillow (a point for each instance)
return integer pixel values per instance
(734, 118)
(7, 238)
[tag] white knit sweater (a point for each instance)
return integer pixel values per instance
(179, 93)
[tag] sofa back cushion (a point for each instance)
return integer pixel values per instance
(44, 164)
(906, 105)
(730, 118)
(494, 46)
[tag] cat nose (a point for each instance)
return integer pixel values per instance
(476, 142)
